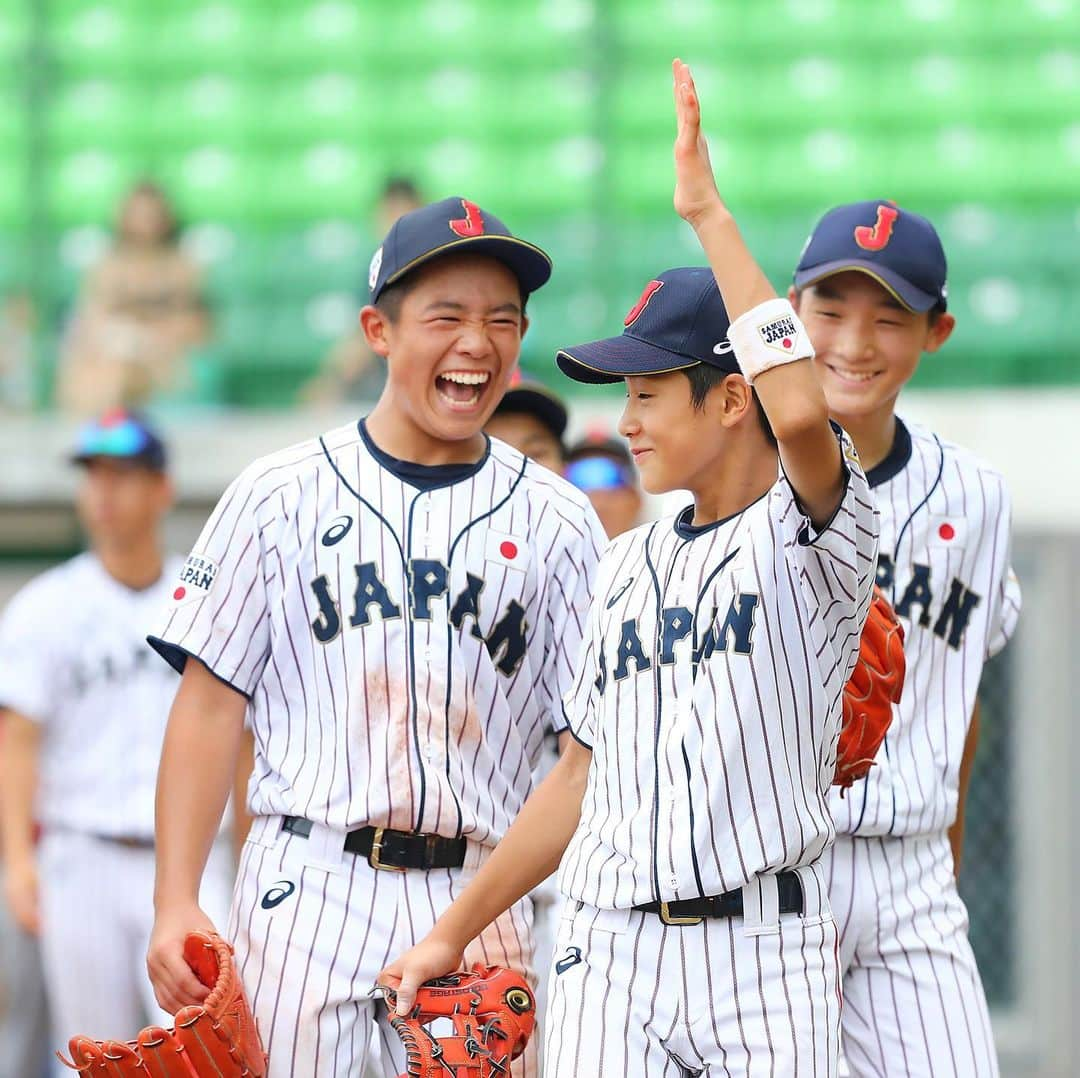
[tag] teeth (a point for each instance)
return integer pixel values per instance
(854, 376)
(467, 378)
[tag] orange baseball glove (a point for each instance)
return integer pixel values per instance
(874, 686)
(492, 1012)
(216, 1038)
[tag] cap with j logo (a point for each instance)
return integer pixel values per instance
(678, 321)
(453, 226)
(900, 250)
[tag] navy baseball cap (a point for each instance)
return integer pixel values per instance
(531, 398)
(453, 226)
(900, 250)
(121, 435)
(678, 322)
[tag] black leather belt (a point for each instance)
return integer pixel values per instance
(692, 911)
(129, 842)
(393, 850)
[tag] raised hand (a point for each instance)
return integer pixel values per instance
(695, 186)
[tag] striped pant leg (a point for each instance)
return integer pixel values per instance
(913, 1001)
(614, 1006)
(764, 1001)
(310, 937)
(94, 968)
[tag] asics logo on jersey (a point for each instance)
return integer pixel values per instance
(337, 531)
(277, 894)
(955, 613)
(569, 960)
(428, 582)
(620, 593)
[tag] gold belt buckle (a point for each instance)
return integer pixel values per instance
(665, 916)
(373, 857)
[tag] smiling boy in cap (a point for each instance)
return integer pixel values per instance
(871, 289)
(394, 608)
(691, 811)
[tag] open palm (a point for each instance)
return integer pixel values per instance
(695, 185)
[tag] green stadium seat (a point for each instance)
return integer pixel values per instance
(96, 39)
(334, 179)
(95, 112)
(235, 260)
(217, 183)
(211, 109)
(536, 33)
(327, 257)
(14, 35)
(85, 186)
(323, 35)
(327, 105)
(209, 36)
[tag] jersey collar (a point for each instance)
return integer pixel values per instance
(895, 460)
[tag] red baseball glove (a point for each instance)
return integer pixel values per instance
(492, 1012)
(874, 686)
(217, 1038)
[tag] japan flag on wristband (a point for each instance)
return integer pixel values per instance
(507, 550)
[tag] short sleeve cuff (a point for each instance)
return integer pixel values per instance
(177, 657)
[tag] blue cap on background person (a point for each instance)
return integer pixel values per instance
(679, 321)
(600, 462)
(900, 250)
(453, 226)
(120, 435)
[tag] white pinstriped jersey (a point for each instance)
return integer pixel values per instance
(402, 650)
(73, 657)
(710, 694)
(945, 565)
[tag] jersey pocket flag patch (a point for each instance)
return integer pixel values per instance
(196, 579)
(507, 550)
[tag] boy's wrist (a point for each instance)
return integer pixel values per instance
(714, 214)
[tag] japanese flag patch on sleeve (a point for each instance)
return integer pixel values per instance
(197, 577)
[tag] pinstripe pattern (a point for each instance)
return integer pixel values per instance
(707, 773)
(309, 962)
(914, 1004)
(407, 721)
(382, 699)
(913, 788)
(913, 1001)
(653, 1000)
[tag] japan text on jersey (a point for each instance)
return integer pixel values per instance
(710, 696)
(945, 564)
(403, 647)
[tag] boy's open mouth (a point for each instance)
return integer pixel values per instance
(462, 389)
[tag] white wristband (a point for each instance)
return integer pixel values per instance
(767, 336)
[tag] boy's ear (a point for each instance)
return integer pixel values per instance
(734, 398)
(939, 332)
(793, 297)
(374, 323)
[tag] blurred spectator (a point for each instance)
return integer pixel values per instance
(533, 420)
(603, 468)
(351, 371)
(140, 313)
(17, 323)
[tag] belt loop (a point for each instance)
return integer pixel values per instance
(761, 906)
